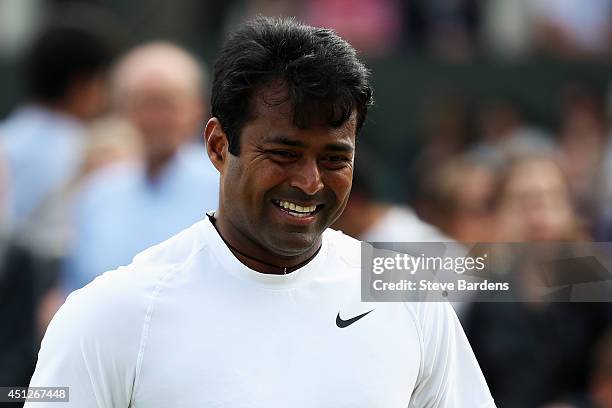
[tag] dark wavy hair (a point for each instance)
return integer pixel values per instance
(323, 76)
(75, 44)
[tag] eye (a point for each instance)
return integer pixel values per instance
(336, 161)
(336, 158)
(283, 155)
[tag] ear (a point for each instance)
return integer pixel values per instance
(216, 143)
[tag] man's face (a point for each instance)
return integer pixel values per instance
(287, 185)
(165, 112)
(536, 204)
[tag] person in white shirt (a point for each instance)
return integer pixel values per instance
(259, 304)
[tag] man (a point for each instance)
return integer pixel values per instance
(64, 72)
(259, 305)
(121, 210)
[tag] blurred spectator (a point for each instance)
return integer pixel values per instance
(445, 128)
(456, 196)
(603, 189)
(23, 284)
(504, 134)
(539, 348)
(507, 28)
(601, 379)
(446, 28)
(445, 125)
(372, 26)
(17, 21)
(48, 231)
(604, 225)
(108, 140)
(64, 72)
(574, 28)
(562, 28)
(369, 219)
(123, 209)
(582, 137)
(534, 203)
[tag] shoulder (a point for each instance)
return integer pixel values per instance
(346, 248)
(96, 341)
(127, 293)
(436, 323)
(431, 318)
(177, 251)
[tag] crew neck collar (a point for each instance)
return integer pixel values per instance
(231, 264)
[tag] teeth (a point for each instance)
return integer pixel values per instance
(296, 208)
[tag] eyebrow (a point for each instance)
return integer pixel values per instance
(336, 147)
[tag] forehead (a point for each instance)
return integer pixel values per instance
(154, 71)
(272, 115)
(536, 176)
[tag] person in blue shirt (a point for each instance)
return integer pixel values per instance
(123, 209)
(64, 73)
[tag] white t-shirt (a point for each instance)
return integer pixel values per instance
(401, 224)
(186, 324)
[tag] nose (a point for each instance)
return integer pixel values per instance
(307, 177)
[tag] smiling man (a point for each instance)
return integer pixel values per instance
(259, 304)
(283, 185)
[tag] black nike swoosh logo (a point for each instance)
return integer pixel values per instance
(345, 323)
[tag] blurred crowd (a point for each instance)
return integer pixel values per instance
(447, 29)
(104, 158)
(454, 29)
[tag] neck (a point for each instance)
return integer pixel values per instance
(253, 255)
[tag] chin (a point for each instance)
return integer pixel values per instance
(292, 244)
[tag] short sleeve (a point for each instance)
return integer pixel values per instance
(92, 346)
(449, 376)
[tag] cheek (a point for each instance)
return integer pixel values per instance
(340, 183)
(258, 178)
(231, 181)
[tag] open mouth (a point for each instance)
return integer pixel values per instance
(297, 210)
